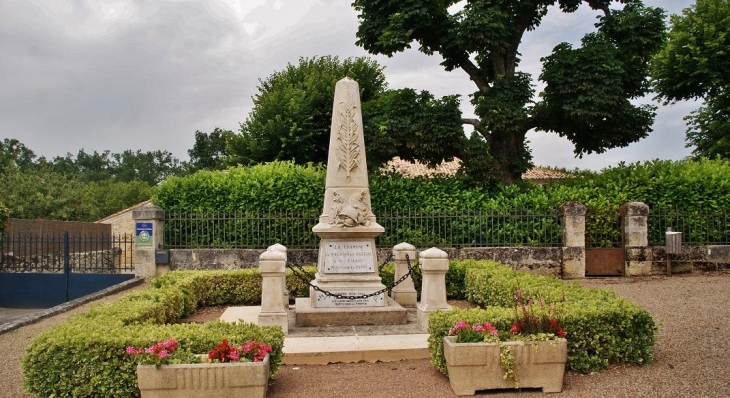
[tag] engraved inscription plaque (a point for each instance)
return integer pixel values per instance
(348, 257)
(325, 301)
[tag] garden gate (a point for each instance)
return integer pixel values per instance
(44, 271)
(605, 254)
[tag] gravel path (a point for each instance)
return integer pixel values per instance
(690, 357)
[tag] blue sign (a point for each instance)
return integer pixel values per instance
(143, 234)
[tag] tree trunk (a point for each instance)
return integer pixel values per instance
(510, 155)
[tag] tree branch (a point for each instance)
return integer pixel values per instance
(604, 8)
(477, 124)
(474, 74)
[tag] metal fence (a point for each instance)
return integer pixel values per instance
(603, 228)
(698, 228)
(54, 254)
(464, 228)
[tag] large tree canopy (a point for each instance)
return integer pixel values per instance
(695, 64)
(292, 116)
(588, 89)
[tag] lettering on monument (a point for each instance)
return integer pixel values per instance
(326, 301)
(348, 257)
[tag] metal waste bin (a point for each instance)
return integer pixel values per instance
(673, 246)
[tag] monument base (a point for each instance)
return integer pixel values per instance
(391, 314)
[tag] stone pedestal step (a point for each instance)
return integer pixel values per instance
(346, 349)
(360, 344)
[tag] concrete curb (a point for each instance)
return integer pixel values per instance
(61, 308)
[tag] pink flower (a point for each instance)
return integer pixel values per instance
(234, 355)
(163, 354)
(131, 350)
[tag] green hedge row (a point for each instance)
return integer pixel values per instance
(85, 356)
(602, 327)
(690, 186)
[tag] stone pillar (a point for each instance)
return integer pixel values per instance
(149, 221)
(282, 249)
(634, 216)
(405, 293)
(434, 265)
(272, 266)
(573, 223)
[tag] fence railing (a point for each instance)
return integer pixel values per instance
(467, 228)
(698, 228)
(603, 228)
(56, 254)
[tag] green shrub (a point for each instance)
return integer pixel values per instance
(602, 327)
(85, 356)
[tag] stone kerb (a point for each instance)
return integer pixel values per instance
(272, 266)
(573, 223)
(148, 217)
(405, 293)
(434, 264)
(636, 238)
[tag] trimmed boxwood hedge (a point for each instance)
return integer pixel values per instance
(85, 356)
(602, 327)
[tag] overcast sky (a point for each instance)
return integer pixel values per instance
(146, 74)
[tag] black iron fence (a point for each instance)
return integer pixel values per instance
(465, 228)
(603, 228)
(698, 227)
(57, 254)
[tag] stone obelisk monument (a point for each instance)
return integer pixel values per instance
(347, 228)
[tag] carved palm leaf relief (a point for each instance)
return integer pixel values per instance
(348, 151)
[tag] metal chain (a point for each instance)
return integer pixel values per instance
(299, 272)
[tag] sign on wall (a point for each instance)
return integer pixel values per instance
(143, 234)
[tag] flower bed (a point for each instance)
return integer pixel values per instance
(602, 328)
(86, 355)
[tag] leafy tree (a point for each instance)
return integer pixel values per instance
(14, 154)
(209, 150)
(292, 117)
(151, 167)
(695, 64)
(588, 89)
(293, 110)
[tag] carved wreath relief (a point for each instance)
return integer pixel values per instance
(348, 151)
(351, 212)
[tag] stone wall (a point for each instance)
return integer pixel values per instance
(693, 258)
(538, 260)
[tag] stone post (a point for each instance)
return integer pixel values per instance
(149, 221)
(281, 248)
(634, 216)
(573, 223)
(273, 308)
(434, 265)
(405, 293)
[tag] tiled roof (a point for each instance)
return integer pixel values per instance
(417, 169)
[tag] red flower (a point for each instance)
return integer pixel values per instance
(514, 329)
(561, 332)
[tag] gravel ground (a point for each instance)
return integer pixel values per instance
(690, 357)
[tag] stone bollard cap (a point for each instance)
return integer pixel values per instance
(277, 247)
(404, 246)
(433, 252)
(272, 255)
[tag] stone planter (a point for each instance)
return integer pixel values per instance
(477, 366)
(209, 380)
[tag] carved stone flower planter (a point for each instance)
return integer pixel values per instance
(209, 380)
(477, 366)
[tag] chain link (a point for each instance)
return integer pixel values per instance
(299, 272)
